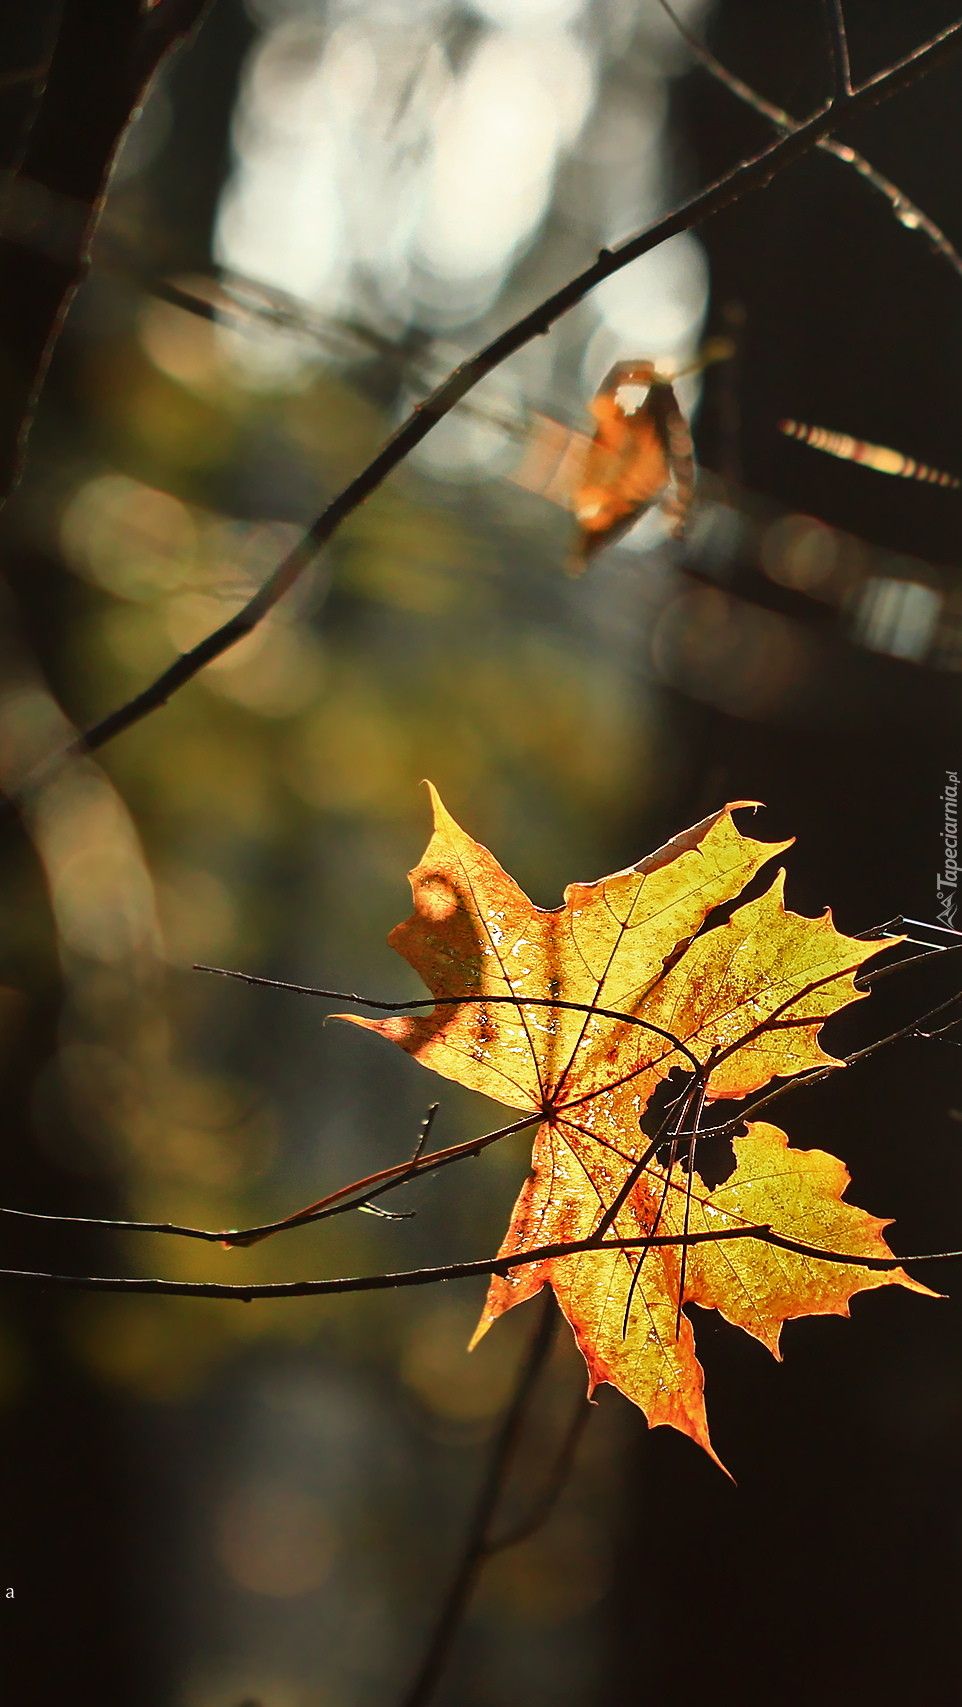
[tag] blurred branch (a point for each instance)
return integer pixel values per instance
(27, 74)
(553, 1486)
(748, 175)
(477, 1546)
(905, 210)
(239, 300)
(105, 54)
(244, 1293)
(242, 301)
(838, 37)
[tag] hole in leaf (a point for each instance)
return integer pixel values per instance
(714, 1154)
(663, 1106)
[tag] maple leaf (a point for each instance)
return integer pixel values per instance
(641, 454)
(581, 1014)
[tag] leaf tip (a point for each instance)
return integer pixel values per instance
(479, 1331)
(443, 820)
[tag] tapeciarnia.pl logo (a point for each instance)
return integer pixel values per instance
(947, 881)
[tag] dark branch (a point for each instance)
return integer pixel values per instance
(748, 175)
(500, 1265)
(817, 1074)
(105, 54)
(361, 1193)
(478, 997)
(905, 210)
(838, 38)
(477, 1546)
(554, 1483)
(358, 1195)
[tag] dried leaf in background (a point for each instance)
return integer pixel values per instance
(641, 455)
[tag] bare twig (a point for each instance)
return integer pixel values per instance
(615, 1207)
(357, 1195)
(608, 1218)
(477, 1545)
(688, 1193)
(905, 210)
(816, 1075)
(243, 1293)
(746, 176)
(360, 1193)
(901, 926)
(456, 1001)
(838, 37)
(424, 1133)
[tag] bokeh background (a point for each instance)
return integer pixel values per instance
(204, 1504)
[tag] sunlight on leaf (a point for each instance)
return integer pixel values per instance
(726, 1012)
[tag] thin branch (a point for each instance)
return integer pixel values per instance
(629, 1185)
(554, 1483)
(455, 1001)
(817, 1074)
(747, 175)
(688, 1189)
(771, 1024)
(905, 210)
(897, 928)
(477, 1546)
(615, 1207)
(838, 38)
(424, 1133)
(36, 1280)
(360, 1193)
(386, 1180)
(357, 1195)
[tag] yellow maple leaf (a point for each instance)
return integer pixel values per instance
(581, 1013)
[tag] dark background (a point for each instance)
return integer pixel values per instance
(831, 1572)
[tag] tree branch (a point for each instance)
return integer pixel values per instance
(457, 1001)
(838, 38)
(816, 1075)
(748, 175)
(907, 212)
(554, 1483)
(241, 1293)
(477, 1546)
(105, 54)
(361, 1192)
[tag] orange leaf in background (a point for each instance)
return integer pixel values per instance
(732, 1009)
(641, 455)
